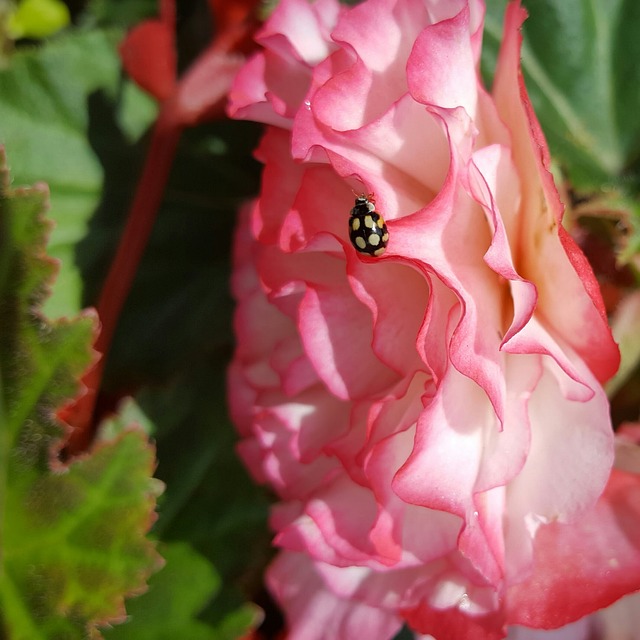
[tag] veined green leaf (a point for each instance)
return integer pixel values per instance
(580, 58)
(72, 537)
(176, 595)
(51, 120)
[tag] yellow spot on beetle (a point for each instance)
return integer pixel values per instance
(368, 222)
(355, 224)
(360, 242)
(374, 240)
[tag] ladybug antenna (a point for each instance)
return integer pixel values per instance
(371, 197)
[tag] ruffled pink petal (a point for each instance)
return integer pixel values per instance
(273, 450)
(251, 99)
(397, 297)
(441, 69)
(453, 246)
(322, 203)
(313, 421)
(327, 534)
(585, 565)
(279, 185)
(303, 28)
(404, 153)
(337, 334)
(454, 623)
(360, 81)
(398, 532)
(316, 613)
(566, 438)
(495, 185)
(569, 296)
(289, 361)
(446, 429)
(425, 416)
(273, 83)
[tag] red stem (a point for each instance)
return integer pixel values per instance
(174, 115)
(117, 285)
(142, 216)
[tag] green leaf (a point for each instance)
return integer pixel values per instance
(492, 38)
(210, 500)
(580, 58)
(239, 623)
(404, 634)
(72, 537)
(630, 252)
(625, 325)
(38, 360)
(176, 595)
(117, 12)
(51, 120)
(210, 503)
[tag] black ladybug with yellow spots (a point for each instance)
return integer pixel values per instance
(367, 228)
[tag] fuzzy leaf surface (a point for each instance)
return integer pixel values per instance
(73, 537)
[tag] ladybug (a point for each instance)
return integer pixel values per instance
(367, 228)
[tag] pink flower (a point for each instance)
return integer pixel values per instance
(432, 419)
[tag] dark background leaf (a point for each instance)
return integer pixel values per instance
(179, 306)
(176, 594)
(580, 63)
